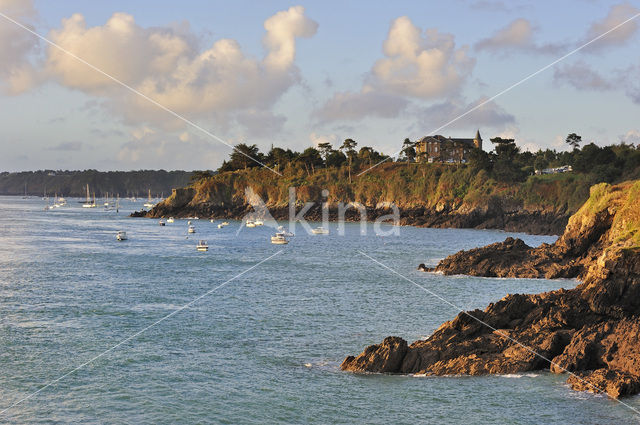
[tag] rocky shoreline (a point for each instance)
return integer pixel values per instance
(494, 216)
(591, 332)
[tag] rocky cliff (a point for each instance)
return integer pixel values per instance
(591, 332)
(429, 195)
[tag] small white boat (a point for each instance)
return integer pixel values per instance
(121, 235)
(189, 222)
(284, 232)
(279, 239)
(170, 220)
(192, 229)
(320, 231)
(149, 203)
(212, 220)
(162, 222)
(202, 246)
(250, 223)
(221, 225)
(258, 222)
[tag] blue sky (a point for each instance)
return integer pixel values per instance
(296, 74)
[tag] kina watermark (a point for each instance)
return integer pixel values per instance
(332, 216)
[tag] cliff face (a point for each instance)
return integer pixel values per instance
(427, 195)
(591, 332)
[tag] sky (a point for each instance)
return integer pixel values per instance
(171, 85)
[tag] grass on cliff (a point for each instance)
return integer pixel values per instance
(405, 184)
(624, 201)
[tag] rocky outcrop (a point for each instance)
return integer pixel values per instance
(227, 201)
(591, 332)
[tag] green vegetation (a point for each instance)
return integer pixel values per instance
(505, 175)
(73, 183)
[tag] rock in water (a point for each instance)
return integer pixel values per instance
(592, 331)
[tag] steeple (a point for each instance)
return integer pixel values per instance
(477, 141)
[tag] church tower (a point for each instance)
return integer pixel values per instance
(477, 141)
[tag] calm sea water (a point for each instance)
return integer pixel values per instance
(264, 348)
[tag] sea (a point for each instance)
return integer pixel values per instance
(152, 331)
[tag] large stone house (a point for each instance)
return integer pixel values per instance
(446, 149)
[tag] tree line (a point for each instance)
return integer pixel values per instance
(73, 183)
(507, 162)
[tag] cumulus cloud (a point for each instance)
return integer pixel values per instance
(581, 76)
(416, 65)
(487, 115)
(517, 36)
(17, 74)
(420, 65)
(167, 65)
(617, 15)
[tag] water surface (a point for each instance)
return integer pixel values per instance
(265, 347)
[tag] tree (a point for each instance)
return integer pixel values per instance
(409, 151)
(349, 149)
(336, 159)
(200, 175)
(325, 149)
(574, 140)
(245, 156)
(479, 160)
(507, 166)
(310, 158)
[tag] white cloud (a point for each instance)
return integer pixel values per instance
(17, 74)
(517, 36)
(166, 64)
(316, 139)
(420, 65)
(416, 64)
(617, 14)
(632, 136)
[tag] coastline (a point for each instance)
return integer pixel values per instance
(591, 332)
(524, 221)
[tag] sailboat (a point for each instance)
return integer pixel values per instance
(88, 203)
(149, 204)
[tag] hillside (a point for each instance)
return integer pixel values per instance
(590, 332)
(73, 183)
(434, 195)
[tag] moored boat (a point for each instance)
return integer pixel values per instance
(202, 246)
(320, 231)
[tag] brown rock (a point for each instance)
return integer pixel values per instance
(592, 331)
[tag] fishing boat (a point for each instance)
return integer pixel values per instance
(149, 203)
(162, 222)
(121, 235)
(320, 231)
(192, 229)
(88, 203)
(250, 223)
(170, 220)
(202, 246)
(258, 222)
(221, 225)
(279, 239)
